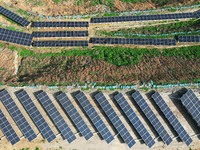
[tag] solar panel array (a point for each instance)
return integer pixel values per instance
(7, 129)
(113, 117)
(35, 115)
(15, 37)
(142, 18)
(135, 121)
(136, 41)
(60, 24)
(152, 117)
(61, 34)
(55, 116)
(192, 104)
(17, 116)
(197, 14)
(189, 38)
(172, 118)
(59, 43)
(74, 115)
(13, 16)
(94, 117)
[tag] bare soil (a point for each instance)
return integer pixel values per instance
(80, 69)
(49, 8)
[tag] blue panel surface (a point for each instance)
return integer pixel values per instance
(58, 120)
(152, 117)
(135, 121)
(192, 104)
(7, 129)
(117, 123)
(74, 115)
(94, 117)
(17, 116)
(35, 115)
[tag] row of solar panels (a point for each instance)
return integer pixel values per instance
(189, 100)
(27, 39)
(146, 17)
(24, 22)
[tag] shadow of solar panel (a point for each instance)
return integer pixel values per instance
(17, 116)
(142, 17)
(61, 34)
(60, 24)
(14, 17)
(94, 117)
(35, 115)
(55, 116)
(59, 43)
(172, 118)
(137, 124)
(117, 123)
(189, 38)
(74, 115)
(192, 104)
(135, 41)
(7, 129)
(152, 117)
(15, 37)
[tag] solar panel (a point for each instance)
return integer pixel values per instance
(117, 123)
(94, 117)
(135, 121)
(142, 17)
(35, 115)
(152, 117)
(15, 37)
(55, 116)
(135, 41)
(74, 115)
(7, 129)
(60, 24)
(59, 43)
(192, 104)
(189, 38)
(17, 116)
(61, 34)
(196, 14)
(172, 118)
(14, 17)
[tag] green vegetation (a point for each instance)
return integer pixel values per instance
(119, 56)
(183, 27)
(23, 12)
(108, 3)
(1, 45)
(37, 148)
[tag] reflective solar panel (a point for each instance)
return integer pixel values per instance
(142, 17)
(192, 104)
(152, 117)
(15, 37)
(35, 115)
(14, 17)
(17, 116)
(117, 123)
(135, 41)
(189, 38)
(74, 115)
(59, 43)
(7, 129)
(60, 24)
(61, 34)
(55, 116)
(172, 118)
(135, 121)
(94, 117)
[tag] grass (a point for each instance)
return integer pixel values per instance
(120, 56)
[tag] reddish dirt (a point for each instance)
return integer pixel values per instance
(81, 69)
